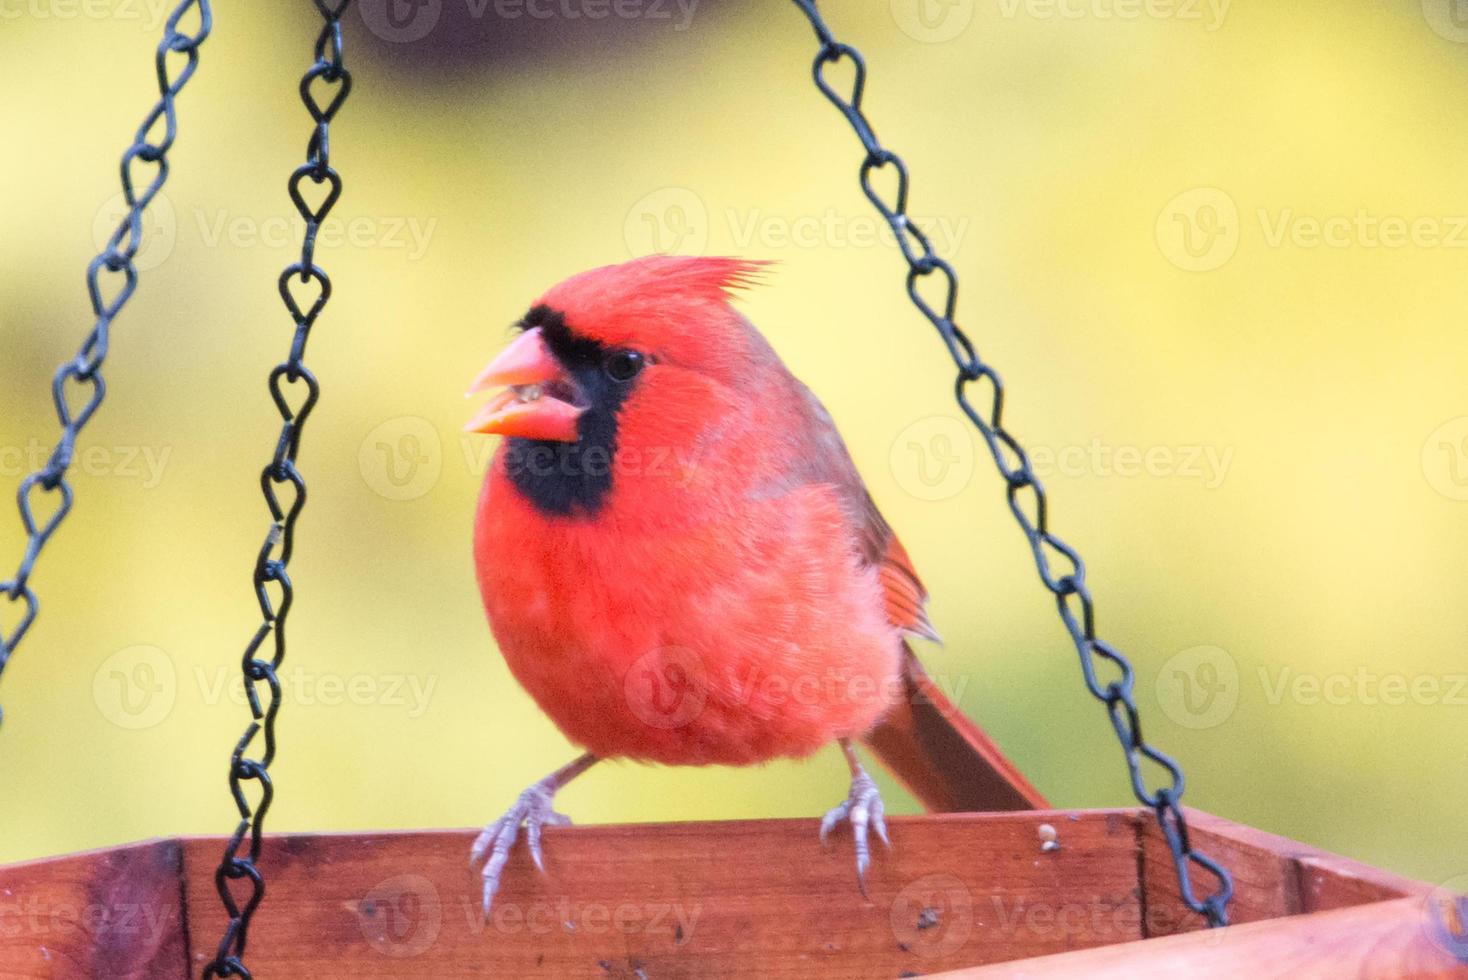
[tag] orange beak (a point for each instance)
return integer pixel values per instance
(528, 407)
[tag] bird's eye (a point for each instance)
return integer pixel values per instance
(623, 365)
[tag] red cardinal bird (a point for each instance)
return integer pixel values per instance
(677, 556)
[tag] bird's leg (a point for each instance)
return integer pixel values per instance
(535, 810)
(863, 809)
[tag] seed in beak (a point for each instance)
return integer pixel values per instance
(527, 393)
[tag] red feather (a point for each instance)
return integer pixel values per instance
(738, 597)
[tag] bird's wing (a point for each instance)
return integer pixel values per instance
(903, 593)
(941, 756)
(825, 459)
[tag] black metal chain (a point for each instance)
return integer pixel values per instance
(329, 74)
(83, 373)
(1072, 595)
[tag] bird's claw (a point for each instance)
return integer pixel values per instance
(864, 810)
(534, 810)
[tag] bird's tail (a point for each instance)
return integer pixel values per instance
(942, 757)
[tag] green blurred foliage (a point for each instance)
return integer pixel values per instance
(1142, 334)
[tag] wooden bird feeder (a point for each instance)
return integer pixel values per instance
(977, 895)
(993, 883)
(1019, 891)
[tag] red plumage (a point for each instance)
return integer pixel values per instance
(736, 596)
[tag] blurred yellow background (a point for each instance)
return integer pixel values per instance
(1218, 251)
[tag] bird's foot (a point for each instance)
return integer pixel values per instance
(533, 810)
(864, 810)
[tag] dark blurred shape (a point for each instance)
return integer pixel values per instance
(434, 41)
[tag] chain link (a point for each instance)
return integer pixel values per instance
(77, 389)
(305, 289)
(1061, 569)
